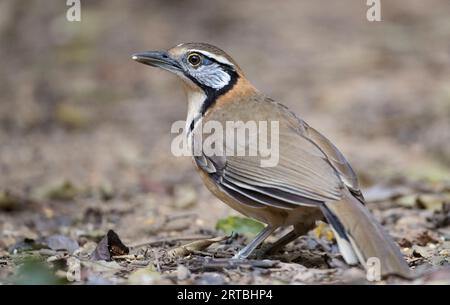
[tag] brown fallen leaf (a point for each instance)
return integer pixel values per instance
(424, 238)
(198, 245)
(404, 243)
(109, 246)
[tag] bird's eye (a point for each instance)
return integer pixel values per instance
(194, 59)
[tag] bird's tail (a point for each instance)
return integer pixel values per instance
(362, 239)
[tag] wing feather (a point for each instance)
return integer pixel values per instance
(310, 169)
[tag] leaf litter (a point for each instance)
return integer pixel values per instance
(198, 255)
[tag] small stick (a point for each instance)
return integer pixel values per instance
(129, 256)
(169, 240)
(203, 253)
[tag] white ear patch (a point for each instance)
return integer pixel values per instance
(212, 76)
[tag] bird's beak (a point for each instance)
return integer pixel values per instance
(160, 59)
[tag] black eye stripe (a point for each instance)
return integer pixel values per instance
(228, 66)
(211, 93)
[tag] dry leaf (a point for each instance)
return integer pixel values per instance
(198, 245)
(109, 246)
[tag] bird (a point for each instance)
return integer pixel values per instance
(311, 181)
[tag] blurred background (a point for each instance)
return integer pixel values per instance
(81, 122)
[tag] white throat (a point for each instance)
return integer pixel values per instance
(195, 102)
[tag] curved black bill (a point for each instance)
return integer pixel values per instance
(160, 59)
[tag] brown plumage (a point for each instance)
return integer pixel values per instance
(312, 180)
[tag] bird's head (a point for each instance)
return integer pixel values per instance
(202, 67)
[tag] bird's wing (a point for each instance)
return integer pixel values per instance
(310, 170)
(336, 159)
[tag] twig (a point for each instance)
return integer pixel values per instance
(129, 256)
(143, 263)
(202, 253)
(169, 240)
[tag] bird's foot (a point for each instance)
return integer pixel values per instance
(241, 255)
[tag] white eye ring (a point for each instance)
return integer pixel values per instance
(194, 59)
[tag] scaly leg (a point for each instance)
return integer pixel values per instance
(247, 250)
(283, 241)
(299, 230)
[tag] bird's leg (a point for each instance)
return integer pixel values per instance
(299, 230)
(247, 250)
(283, 241)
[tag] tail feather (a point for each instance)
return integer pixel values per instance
(360, 236)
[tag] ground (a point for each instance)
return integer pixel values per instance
(85, 137)
(166, 239)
